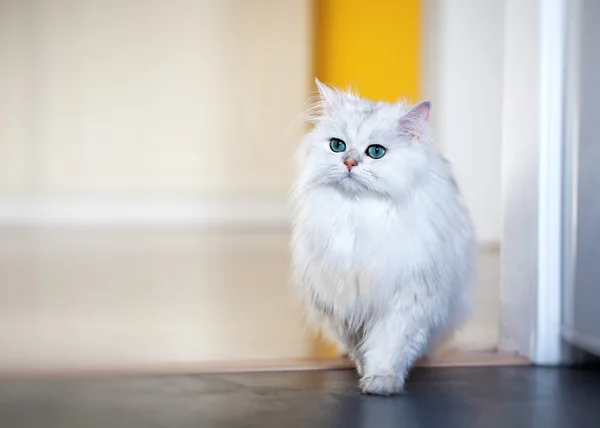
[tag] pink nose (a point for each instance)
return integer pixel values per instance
(349, 163)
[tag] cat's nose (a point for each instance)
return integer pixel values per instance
(349, 163)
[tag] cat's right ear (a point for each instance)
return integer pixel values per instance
(327, 95)
(414, 123)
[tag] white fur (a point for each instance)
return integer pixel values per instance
(383, 253)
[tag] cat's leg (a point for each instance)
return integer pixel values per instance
(353, 340)
(390, 348)
(356, 357)
(346, 341)
(336, 336)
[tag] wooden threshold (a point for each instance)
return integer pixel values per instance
(474, 359)
(446, 359)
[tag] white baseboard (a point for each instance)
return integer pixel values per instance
(260, 212)
(263, 212)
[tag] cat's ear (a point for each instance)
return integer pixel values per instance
(413, 123)
(327, 94)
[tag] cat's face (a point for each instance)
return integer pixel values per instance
(358, 146)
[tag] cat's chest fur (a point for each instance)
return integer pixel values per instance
(344, 230)
(355, 251)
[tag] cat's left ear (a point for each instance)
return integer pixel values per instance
(327, 94)
(413, 123)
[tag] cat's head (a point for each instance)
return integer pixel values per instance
(360, 146)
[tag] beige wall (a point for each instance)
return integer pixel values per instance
(127, 127)
(464, 66)
(521, 154)
(464, 72)
(122, 298)
(106, 105)
(137, 97)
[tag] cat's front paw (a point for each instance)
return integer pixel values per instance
(382, 385)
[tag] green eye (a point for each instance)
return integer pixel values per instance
(375, 151)
(337, 145)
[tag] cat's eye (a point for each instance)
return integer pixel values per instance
(375, 151)
(337, 145)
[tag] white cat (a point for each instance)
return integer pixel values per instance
(382, 244)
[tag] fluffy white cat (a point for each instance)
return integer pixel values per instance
(382, 245)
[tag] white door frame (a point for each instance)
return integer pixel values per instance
(532, 266)
(553, 38)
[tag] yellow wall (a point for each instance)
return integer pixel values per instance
(373, 45)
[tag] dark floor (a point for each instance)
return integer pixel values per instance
(436, 397)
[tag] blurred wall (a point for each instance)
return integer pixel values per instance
(520, 184)
(464, 63)
(463, 75)
(150, 97)
(121, 120)
(145, 152)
